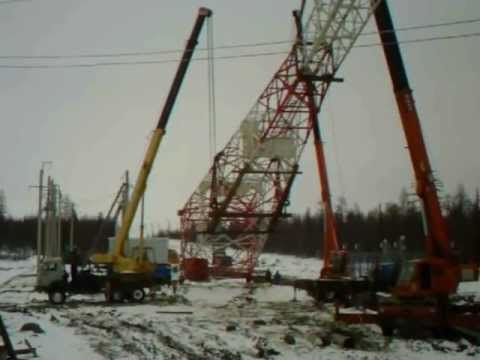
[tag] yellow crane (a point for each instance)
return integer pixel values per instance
(129, 275)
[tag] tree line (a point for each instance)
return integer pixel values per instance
(20, 235)
(302, 235)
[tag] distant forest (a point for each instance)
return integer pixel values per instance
(20, 234)
(302, 235)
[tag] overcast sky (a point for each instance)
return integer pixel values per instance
(93, 123)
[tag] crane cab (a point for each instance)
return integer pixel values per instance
(427, 277)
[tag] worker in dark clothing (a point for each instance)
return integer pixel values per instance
(268, 276)
(277, 278)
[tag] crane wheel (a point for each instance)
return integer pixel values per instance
(56, 296)
(138, 295)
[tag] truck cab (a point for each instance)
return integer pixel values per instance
(51, 271)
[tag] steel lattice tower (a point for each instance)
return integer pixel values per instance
(238, 203)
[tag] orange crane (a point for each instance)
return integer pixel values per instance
(425, 285)
(438, 272)
(334, 282)
(334, 258)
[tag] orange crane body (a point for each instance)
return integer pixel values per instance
(421, 296)
(331, 248)
(438, 273)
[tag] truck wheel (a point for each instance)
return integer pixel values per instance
(138, 295)
(56, 296)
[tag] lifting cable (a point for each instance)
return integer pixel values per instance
(212, 119)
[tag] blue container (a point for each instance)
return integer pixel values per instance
(162, 272)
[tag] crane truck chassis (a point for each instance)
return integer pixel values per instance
(58, 283)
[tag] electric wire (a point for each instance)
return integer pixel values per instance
(12, 1)
(428, 26)
(220, 47)
(422, 40)
(224, 57)
(140, 53)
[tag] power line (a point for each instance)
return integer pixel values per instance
(422, 40)
(137, 53)
(226, 57)
(429, 26)
(221, 47)
(12, 1)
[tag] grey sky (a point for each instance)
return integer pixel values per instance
(94, 123)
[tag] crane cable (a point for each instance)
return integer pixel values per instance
(212, 123)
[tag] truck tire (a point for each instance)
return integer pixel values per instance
(138, 295)
(56, 296)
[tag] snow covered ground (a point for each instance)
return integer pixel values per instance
(221, 319)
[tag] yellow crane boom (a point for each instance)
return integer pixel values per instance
(117, 257)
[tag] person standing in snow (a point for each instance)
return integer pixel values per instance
(268, 276)
(277, 278)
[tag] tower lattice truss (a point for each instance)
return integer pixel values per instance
(231, 213)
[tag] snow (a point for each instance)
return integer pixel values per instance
(219, 319)
(306, 268)
(10, 268)
(471, 287)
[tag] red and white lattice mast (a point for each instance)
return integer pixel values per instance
(236, 206)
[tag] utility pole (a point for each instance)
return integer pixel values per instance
(39, 219)
(59, 220)
(40, 249)
(48, 220)
(72, 216)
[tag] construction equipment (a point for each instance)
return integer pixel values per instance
(129, 275)
(57, 279)
(425, 288)
(334, 281)
(230, 215)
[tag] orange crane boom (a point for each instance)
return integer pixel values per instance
(437, 242)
